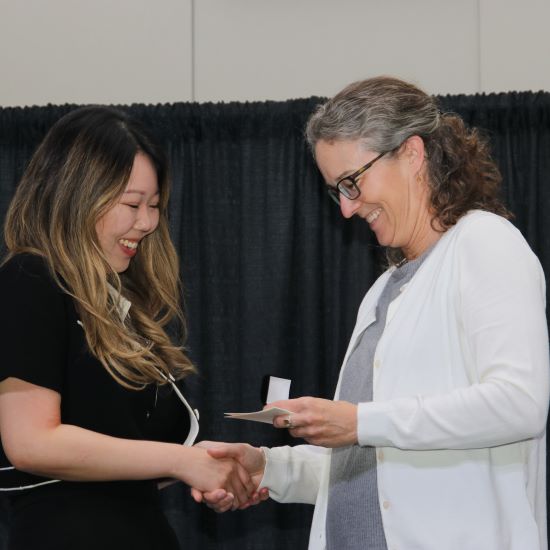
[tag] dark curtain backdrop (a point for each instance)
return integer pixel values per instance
(273, 274)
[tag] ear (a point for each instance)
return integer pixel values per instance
(415, 153)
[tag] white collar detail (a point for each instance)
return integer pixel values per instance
(123, 305)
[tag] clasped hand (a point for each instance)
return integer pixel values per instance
(241, 491)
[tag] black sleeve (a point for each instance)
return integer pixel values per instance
(32, 323)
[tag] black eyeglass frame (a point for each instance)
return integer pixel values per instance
(350, 190)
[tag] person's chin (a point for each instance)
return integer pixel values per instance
(120, 266)
(124, 267)
(382, 239)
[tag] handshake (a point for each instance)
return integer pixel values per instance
(226, 476)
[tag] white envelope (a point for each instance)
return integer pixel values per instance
(266, 415)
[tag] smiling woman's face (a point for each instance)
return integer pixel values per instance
(394, 200)
(132, 218)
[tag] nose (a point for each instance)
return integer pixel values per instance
(146, 221)
(348, 207)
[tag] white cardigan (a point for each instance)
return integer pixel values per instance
(461, 391)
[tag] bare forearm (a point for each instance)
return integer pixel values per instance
(72, 453)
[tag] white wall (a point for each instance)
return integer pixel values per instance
(95, 51)
(155, 51)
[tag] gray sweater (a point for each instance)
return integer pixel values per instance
(353, 515)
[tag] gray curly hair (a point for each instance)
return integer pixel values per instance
(382, 112)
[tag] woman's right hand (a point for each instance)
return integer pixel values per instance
(250, 458)
(212, 475)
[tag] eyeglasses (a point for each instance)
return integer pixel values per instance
(347, 186)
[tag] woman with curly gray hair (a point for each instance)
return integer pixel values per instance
(435, 439)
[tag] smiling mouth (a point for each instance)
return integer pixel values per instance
(132, 245)
(373, 215)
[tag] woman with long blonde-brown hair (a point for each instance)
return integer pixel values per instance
(89, 283)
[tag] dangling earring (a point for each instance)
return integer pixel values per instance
(419, 178)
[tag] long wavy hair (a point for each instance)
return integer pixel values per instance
(78, 172)
(383, 112)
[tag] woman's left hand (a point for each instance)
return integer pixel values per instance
(319, 421)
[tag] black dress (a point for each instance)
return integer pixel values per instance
(43, 343)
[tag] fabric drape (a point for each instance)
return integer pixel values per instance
(273, 275)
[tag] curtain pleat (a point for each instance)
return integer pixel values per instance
(273, 275)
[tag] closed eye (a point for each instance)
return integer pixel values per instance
(135, 206)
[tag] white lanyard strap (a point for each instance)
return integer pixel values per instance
(193, 413)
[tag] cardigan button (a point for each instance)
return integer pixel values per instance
(386, 504)
(377, 363)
